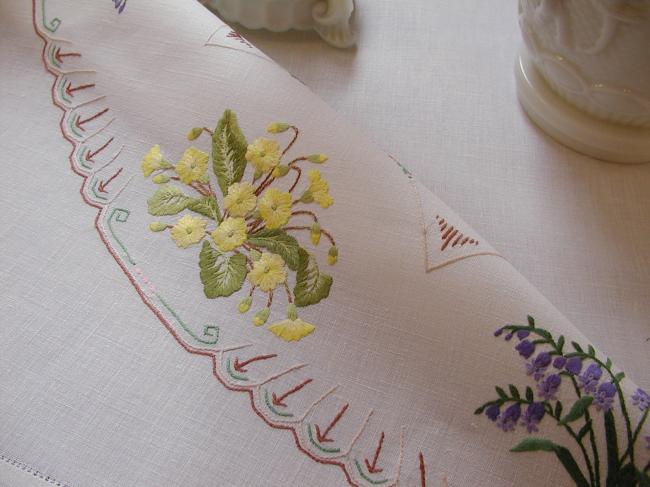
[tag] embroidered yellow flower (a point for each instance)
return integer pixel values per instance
(240, 200)
(192, 165)
(188, 231)
(268, 272)
(292, 330)
(319, 188)
(230, 234)
(264, 154)
(275, 207)
(151, 161)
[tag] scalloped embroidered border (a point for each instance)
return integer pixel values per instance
(340, 458)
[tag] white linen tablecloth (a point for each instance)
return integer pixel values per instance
(433, 84)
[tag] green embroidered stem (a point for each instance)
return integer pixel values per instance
(547, 338)
(53, 24)
(121, 215)
(635, 436)
(592, 441)
(209, 330)
(616, 381)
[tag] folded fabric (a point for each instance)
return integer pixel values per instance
(299, 265)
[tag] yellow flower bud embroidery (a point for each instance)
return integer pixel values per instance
(230, 234)
(264, 154)
(275, 207)
(268, 272)
(192, 165)
(188, 231)
(240, 200)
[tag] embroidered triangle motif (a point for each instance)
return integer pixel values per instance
(451, 237)
(445, 240)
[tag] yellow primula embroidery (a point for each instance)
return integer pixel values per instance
(275, 208)
(264, 154)
(249, 215)
(268, 272)
(292, 330)
(188, 231)
(192, 165)
(230, 234)
(152, 161)
(319, 189)
(240, 200)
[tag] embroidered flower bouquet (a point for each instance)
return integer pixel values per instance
(553, 365)
(247, 231)
(375, 384)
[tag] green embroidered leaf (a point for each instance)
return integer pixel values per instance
(531, 321)
(619, 377)
(577, 410)
(644, 478)
(311, 284)
(501, 393)
(564, 455)
(571, 466)
(585, 429)
(513, 391)
(167, 200)
(228, 151)
(221, 274)
(529, 394)
(560, 343)
(534, 444)
(591, 351)
(608, 363)
(558, 409)
(206, 206)
(577, 347)
(279, 242)
(611, 439)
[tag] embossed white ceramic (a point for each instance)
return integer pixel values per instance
(595, 55)
(330, 18)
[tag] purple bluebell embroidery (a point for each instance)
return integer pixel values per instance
(120, 5)
(599, 397)
(641, 399)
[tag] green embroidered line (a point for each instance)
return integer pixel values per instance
(51, 55)
(82, 157)
(322, 448)
(53, 24)
(374, 482)
(71, 126)
(122, 217)
(232, 374)
(94, 190)
(208, 330)
(61, 89)
(275, 411)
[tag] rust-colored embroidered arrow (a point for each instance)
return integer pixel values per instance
(423, 472)
(240, 366)
(322, 437)
(89, 155)
(372, 467)
(70, 90)
(79, 122)
(102, 185)
(59, 57)
(279, 400)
